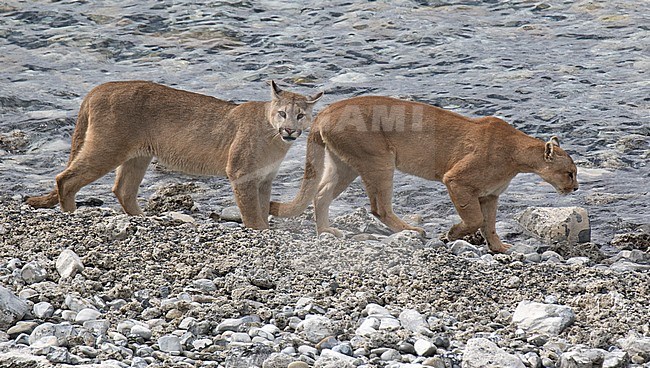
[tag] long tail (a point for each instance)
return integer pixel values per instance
(314, 166)
(78, 137)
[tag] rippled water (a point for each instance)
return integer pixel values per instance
(575, 69)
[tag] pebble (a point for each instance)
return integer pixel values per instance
(298, 365)
(391, 355)
(231, 213)
(315, 328)
(424, 348)
(141, 331)
(413, 321)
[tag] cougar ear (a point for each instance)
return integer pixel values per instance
(313, 99)
(555, 140)
(548, 151)
(275, 90)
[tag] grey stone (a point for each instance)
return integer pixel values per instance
(43, 310)
(459, 247)
(307, 350)
(240, 337)
(297, 365)
(169, 343)
(580, 357)
(627, 266)
(316, 328)
(277, 360)
(389, 323)
(413, 321)
(343, 359)
(634, 344)
(233, 324)
(87, 314)
(76, 303)
(68, 263)
(376, 310)
(327, 343)
(544, 318)
(200, 344)
(391, 355)
(20, 327)
(368, 327)
(205, 285)
(12, 308)
(141, 331)
(177, 216)
(557, 224)
(408, 238)
(424, 348)
(231, 213)
(583, 261)
(32, 272)
(98, 327)
(483, 353)
(63, 332)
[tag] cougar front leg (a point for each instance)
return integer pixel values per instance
(248, 201)
(488, 229)
(468, 208)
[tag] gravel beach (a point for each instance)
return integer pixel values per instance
(184, 290)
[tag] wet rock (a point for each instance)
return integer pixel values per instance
(542, 318)
(553, 225)
(68, 263)
(483, 353)
(316, 328)
(12, 308)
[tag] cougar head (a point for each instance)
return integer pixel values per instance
(559, 169)
(290, 113)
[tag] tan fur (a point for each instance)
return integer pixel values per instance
(123, 125)
(475, 159)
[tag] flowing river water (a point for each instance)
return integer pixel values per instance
(575, 69)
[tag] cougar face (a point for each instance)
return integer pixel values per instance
(290, 113)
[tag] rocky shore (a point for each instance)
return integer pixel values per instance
(183, 289)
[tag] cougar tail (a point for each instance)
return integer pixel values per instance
(78, 137)
(314, 165)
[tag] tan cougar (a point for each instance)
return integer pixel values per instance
(475, 159)
(124, 125)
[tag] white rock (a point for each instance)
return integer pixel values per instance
(483, 353)
(32, 272)
(368, 327)
(240, 337)
(141, 331)
(43, 310)
(389, 323)
(634, 344)
(12, 308)
(333, 355)
(585, 357)
(424, 348)
(87, 314)
(557, 224)
(376, 310)
(181, 217)
(277, 360)
(201, 344)
(544, 318)
(98, 327)
(68, 263)
(316, 328)
(169, 343)
(413, 321)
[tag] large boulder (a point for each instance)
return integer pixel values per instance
(543, 318)
(557, 224)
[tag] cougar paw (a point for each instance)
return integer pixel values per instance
(330, 230)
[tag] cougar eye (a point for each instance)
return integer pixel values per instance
(282, 114)
(300, 116)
